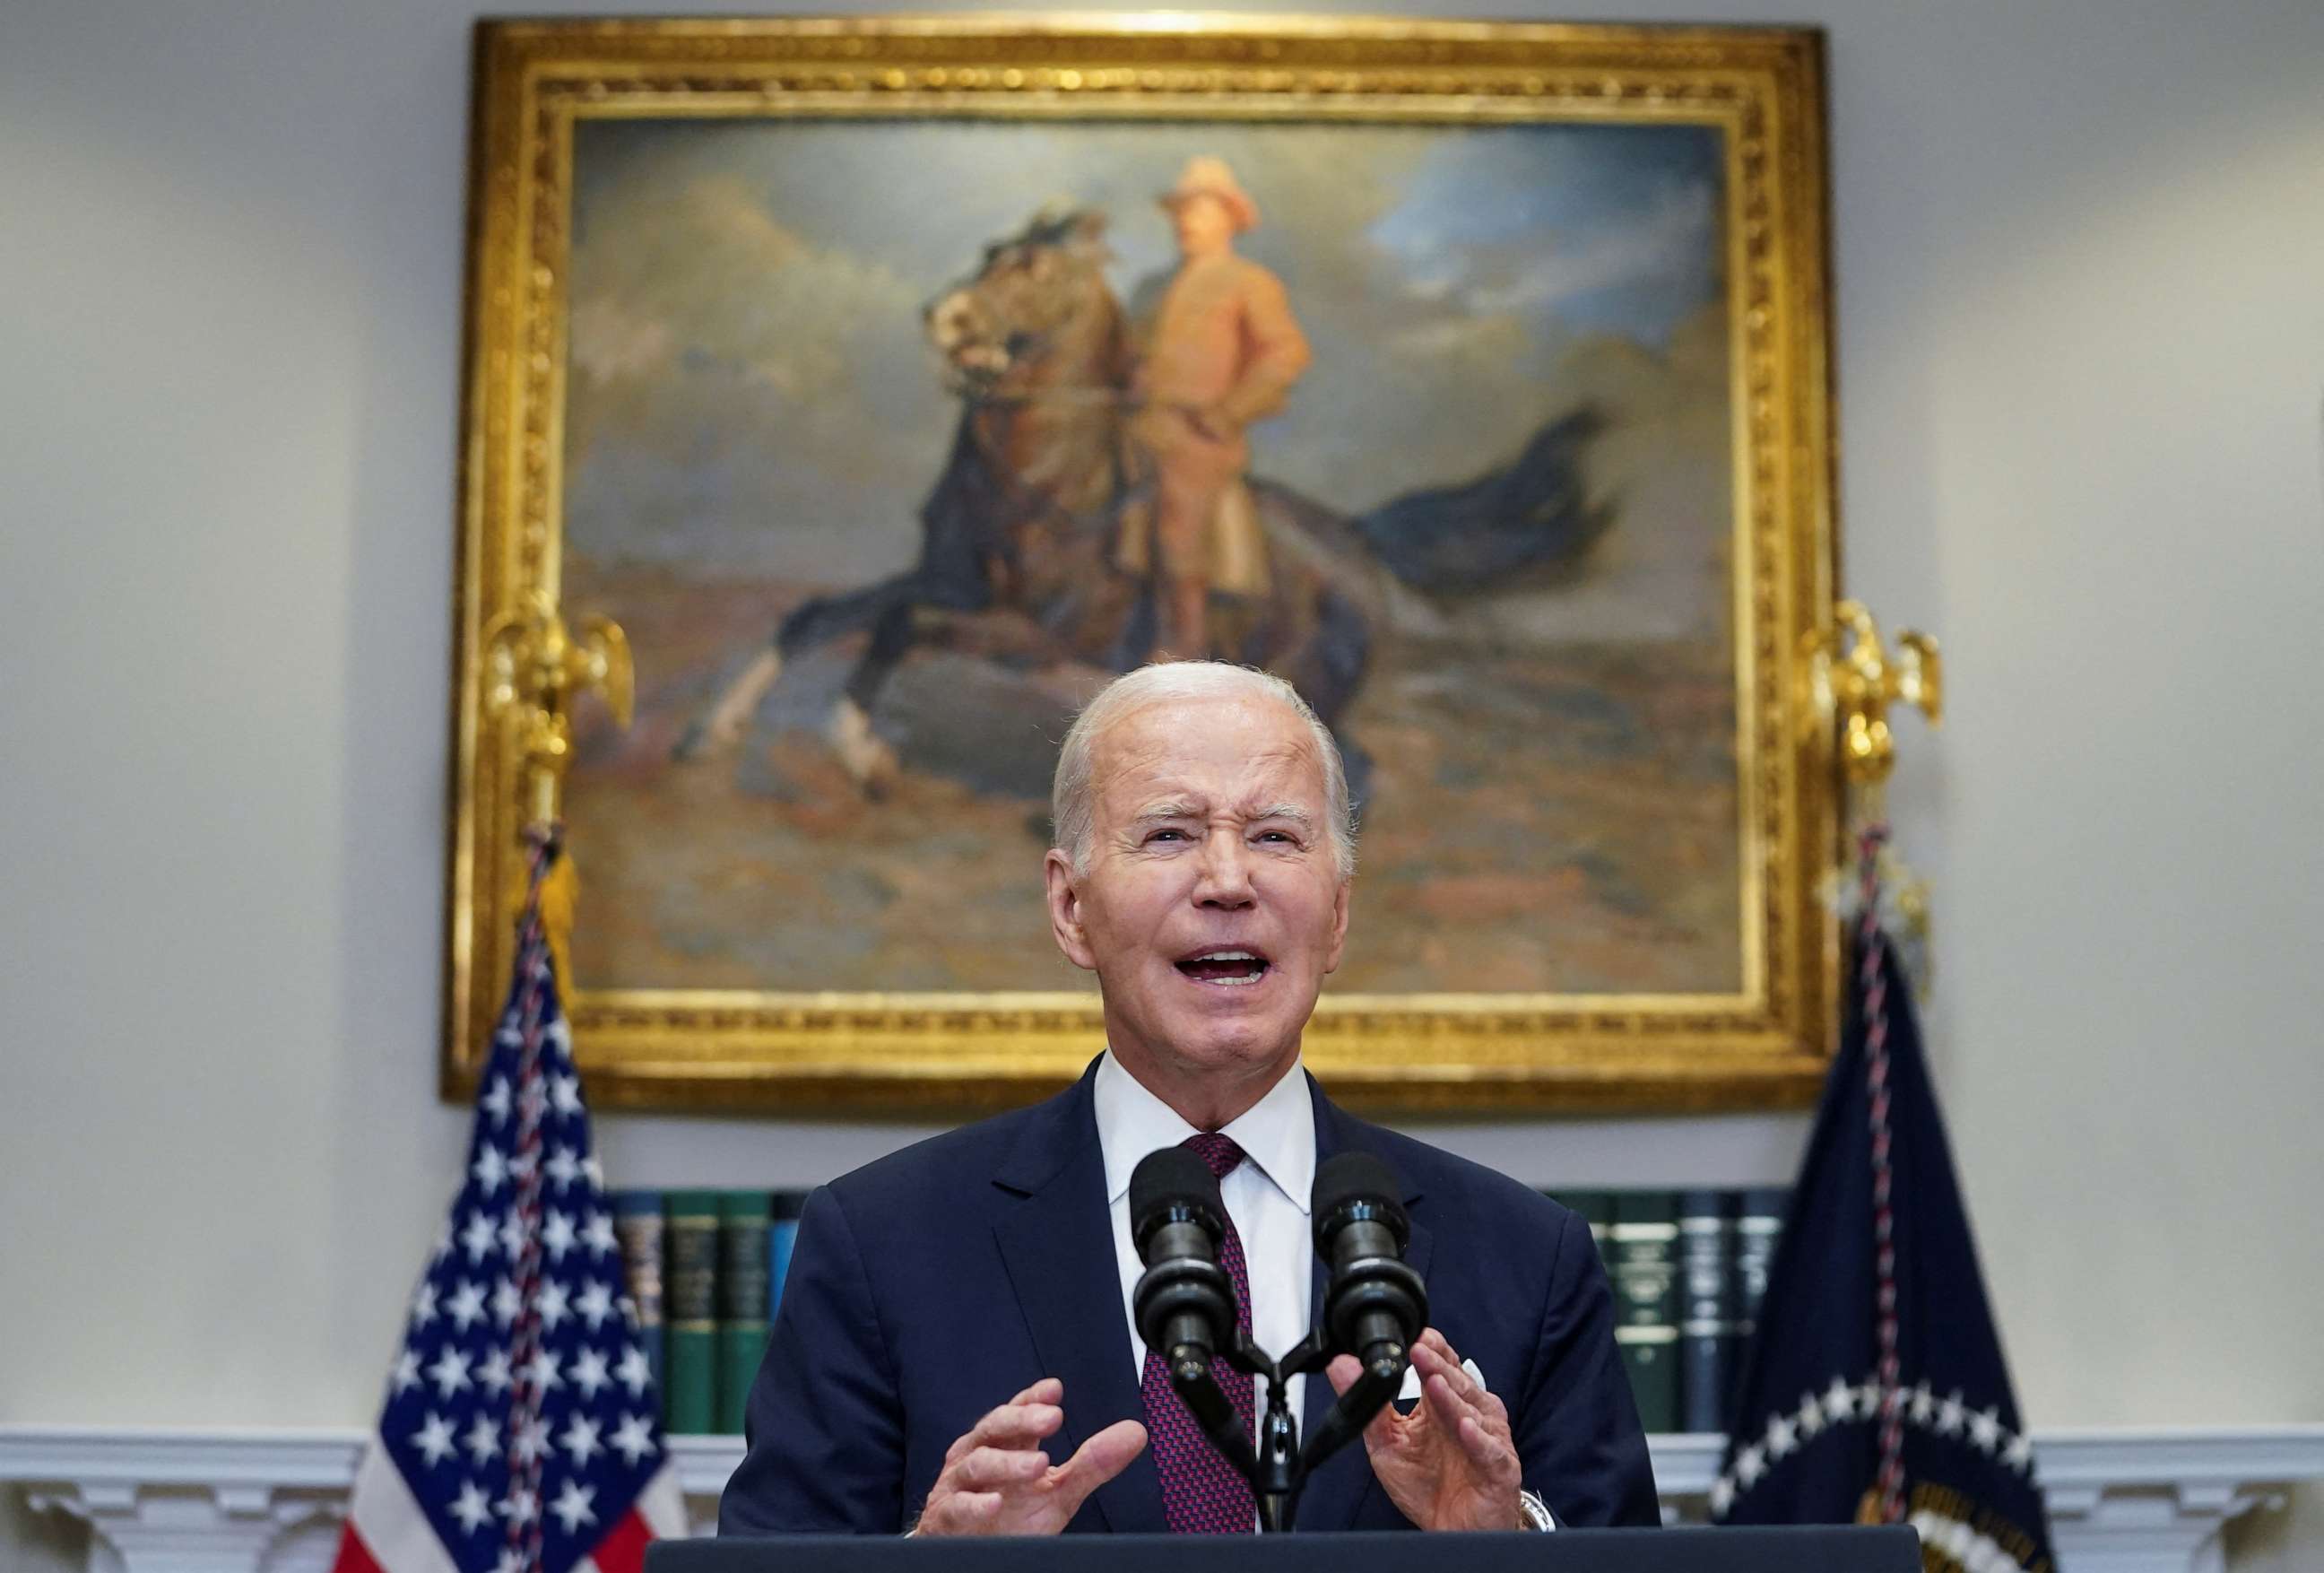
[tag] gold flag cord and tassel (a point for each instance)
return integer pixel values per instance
(1852, 682)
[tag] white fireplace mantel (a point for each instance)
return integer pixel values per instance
(2121, 1500)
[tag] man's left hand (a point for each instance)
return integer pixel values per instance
(1450, 1464)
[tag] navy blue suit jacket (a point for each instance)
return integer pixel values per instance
(934, 1284)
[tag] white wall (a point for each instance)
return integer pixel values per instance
(2080, 261)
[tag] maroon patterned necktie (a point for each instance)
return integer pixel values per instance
(1202, 1494)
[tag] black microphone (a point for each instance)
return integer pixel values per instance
(1374, 1304)
(1184, 1302)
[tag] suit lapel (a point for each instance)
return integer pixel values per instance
(1057, 1245)
(1337, 1492)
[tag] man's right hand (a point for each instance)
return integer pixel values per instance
(997, 1480)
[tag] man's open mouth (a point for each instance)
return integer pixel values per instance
(1232, 967)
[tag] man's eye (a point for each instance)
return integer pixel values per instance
(1166, 836)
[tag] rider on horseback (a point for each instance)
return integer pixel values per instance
(1222, 351)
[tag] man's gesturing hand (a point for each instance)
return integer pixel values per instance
(997, 1481)
(1450, 1464)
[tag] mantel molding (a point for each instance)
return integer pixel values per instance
(2146, 1500)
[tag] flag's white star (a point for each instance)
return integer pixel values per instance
(531, 1440)
(483, 1440)
(557, 1234)
(423, 1303)
(594, 1170)
(520, 1507)
(588, 1373)
(1783, 1436)
(495, 1371)
(580, 1440)
(633, 1437)
(489, 1169)
(1924, 1404)
(1750, 1465)
(1868, 1398)
(1839, 1401)
(1810, 1415)
(443, 1247)
(451, 1371)
(1985, 1429)
(572, 1505)
(565, 1091)
(477, 1237)
(633, 1373)
(598, 1234)
(553, 1303)
(541, 1371)
(1951, 1414)
(512, 1234)
(559, 1035)
(406, 1374)
(595, 1304)
(1723, 1496)
(434, 1438)
(562, 1167)
(511, 1560)
(506, 1302)
(496, 1101)
(2019, 1454)
(521, 1165)
(473, 1508)
(628, 1312)
(467, 1306)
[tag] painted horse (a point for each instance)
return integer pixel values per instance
(1018, 537)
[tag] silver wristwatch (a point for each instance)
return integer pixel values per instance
(1533, 1512)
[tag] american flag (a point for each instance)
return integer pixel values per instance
(520, 1432)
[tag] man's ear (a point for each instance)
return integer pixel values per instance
(1065, 911)
(1340, 899)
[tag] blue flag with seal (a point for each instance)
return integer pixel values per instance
(1875, 1390)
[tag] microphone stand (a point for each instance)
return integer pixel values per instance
(1278, 1469)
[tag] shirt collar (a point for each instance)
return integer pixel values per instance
(1277, 1132)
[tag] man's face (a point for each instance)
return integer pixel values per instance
(1212, 906)
(1202, 224)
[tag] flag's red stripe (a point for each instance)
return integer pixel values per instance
(624, 1548)
(354, 1556)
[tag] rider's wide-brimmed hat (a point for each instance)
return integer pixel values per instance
(1204, 176)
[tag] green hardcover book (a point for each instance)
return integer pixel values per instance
(689, 1288)
(742, 1299)
(1647, 1301)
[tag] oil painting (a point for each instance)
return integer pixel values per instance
(889, 438)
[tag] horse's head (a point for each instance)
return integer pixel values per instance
(1037, 294)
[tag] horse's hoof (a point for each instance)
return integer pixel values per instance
(704, 740)
(868, 760)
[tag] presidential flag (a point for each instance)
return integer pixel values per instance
(520, 1430)
(1875, 1390)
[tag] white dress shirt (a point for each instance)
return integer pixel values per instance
(1267, 1195)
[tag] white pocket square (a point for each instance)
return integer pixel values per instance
(1411, 1391)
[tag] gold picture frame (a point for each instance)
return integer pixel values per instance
(1764, 1044)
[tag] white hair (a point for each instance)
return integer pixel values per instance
(1072, 812)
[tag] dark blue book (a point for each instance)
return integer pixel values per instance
(1706, 1326)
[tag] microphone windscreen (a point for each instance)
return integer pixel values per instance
(1167, 1175)
(1349, 1176)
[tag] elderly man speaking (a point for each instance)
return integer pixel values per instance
(955, 1354)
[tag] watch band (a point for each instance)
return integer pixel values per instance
(1534, 1512)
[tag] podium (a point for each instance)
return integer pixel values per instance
(1817, 1548)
